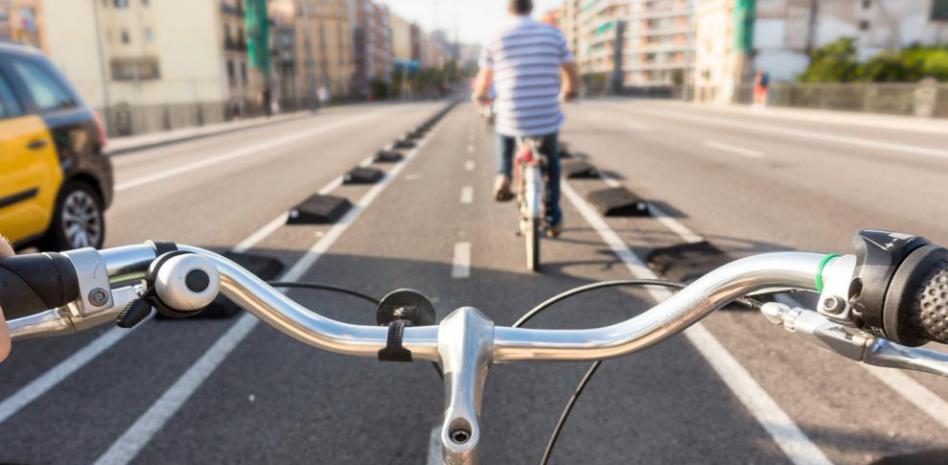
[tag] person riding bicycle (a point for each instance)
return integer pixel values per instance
(524, 62)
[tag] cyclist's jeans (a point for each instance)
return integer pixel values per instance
(550, 148)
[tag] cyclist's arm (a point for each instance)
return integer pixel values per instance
(570, 80)
(482, 83)
(5, 251)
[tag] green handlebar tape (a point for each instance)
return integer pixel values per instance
(819, 272)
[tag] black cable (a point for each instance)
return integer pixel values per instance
(595, 365)
(324, 287)
(341, 290)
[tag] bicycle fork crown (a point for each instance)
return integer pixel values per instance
(465, 346)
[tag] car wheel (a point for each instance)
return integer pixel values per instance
(79, 218)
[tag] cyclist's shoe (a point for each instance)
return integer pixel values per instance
(554, 231)
(502, 192)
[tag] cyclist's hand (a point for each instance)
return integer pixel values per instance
(569, 96)
(5, 251)
(481, 99)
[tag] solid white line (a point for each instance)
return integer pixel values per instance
(787, 435)
(246, 151)
(434, 447)
(732, 149)
(467, 195)
(39, 386)
(674, 225)
(130, 443)
(469, 165)
(461, 265)
(876, 145)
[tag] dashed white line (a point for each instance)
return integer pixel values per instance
(470, 149)
(467, 195)
(785, 433)
(240, 153)
(469, 165)
(732, 149)
(130, 443)
(461, 264)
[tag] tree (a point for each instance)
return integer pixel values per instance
(833, 62)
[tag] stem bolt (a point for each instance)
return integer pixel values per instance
(98, 297)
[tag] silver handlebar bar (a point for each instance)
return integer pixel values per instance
(466, 343)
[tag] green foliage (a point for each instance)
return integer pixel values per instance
(833, 62)
(837, 62)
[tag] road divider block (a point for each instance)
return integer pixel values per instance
(363, 175)
(579, 170)
(403, 144)
(618, 201)
(387, 156)
(319, 209)
(686, 262)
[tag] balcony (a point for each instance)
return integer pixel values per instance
(233, 10)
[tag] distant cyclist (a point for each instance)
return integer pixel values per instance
(524, 62)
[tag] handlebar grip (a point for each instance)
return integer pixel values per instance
(916, 304)
(36, 282)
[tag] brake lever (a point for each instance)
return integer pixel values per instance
(853, 343)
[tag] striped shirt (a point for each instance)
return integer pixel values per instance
(526, 57)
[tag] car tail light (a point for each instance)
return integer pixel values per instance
(103, 139)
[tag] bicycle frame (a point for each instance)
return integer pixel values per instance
(529, 179)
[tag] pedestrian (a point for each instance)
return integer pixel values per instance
(761, 85)
(524, 62)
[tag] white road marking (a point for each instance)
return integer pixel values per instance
(50, 379)
(637, 126)
(467, 195)
(130, 443)
(785, 433)
(470, 149)
(240, 153)
(434, 447)
(412, 177)
(469, 165)
(660, 215)
(871, 144)
(461, 265)
(732, 149)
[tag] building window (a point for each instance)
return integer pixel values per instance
(243, 72)
(120, 3)
(866, 4)
(231, 74)
(125, 37)
(940, 10)
(863, 25)
(144, 2)
(135, 69)
(148, 35)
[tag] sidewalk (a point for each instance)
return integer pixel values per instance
(120, 145)
(863, 120)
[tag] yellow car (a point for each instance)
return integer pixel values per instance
(55, 180)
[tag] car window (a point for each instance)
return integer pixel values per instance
(9, 107)
(46, 91)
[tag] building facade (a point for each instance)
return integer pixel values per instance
(23, 21)
(324, 48)
(723, 31)
(372, 41)
(658, 43)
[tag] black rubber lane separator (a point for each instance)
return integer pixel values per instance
(387, 156)
(403, 144)
(319, 209)
(686, 262)
(579, 170)
(618, 201)
(363, 175)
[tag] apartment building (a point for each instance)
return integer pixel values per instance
(324, 48)
(599, 27)
(23, 21)
(658, 43)
(152, 65)
(372, 40)
(723, 40)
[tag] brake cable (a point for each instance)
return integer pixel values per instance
(568, 408)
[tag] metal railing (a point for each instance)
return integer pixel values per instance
(928, 100)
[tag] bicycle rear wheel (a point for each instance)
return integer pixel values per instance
(532, 241)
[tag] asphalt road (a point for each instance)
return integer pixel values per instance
(735, 390)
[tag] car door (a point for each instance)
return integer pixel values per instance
(30, 174)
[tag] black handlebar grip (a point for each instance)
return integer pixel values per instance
(916, 303)
(33, 283)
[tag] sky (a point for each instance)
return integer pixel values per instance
(475, 19)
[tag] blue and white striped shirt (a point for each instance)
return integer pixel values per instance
(526, 57)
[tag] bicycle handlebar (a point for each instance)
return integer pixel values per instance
(94, 287)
